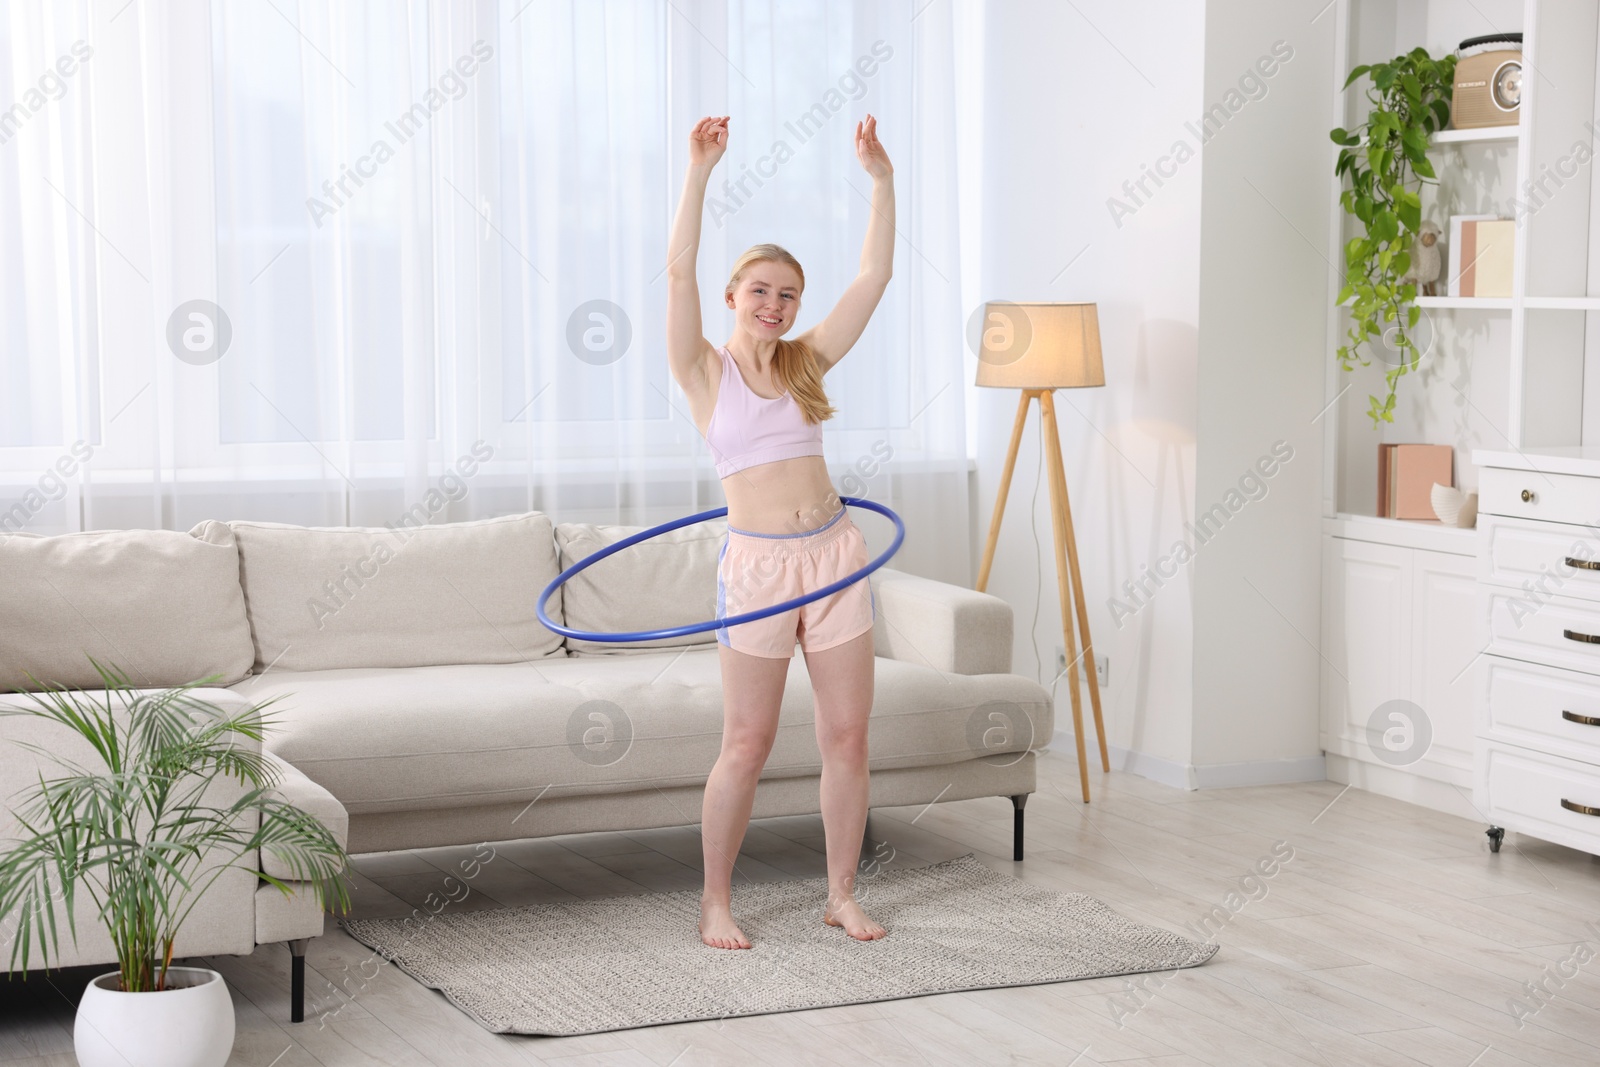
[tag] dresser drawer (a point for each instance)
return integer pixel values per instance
(1541, 558)
(1548, 630)
(1570, 498)
(1544, 708)
(1524, 791)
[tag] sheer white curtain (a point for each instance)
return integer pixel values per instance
(433, 237)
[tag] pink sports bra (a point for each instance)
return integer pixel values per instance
(747, 429)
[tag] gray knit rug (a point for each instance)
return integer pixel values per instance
(615, 963)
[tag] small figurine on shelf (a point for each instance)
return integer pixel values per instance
(1425, 262)
(1453, 506)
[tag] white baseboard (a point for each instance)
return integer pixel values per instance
(1260, 772)
(1164, 771)
(1209, 775)
(1403, 785)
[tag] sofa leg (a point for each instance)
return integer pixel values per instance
(297, 980)
(1017, 802)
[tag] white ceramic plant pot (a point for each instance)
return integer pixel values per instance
(189, 1024)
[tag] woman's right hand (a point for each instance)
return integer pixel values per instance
(707, 141)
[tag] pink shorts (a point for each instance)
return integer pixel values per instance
(757, 570)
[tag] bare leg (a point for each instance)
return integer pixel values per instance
(842, 679)
(752, 690)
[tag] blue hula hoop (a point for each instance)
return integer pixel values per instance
(714, 624)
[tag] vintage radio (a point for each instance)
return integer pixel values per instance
(1488, 85)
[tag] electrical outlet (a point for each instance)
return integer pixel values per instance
(1102, 666)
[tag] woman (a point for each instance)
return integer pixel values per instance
(759, 402)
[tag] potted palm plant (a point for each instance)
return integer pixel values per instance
(178, 791)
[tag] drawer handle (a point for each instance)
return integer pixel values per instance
(1584, 564)
(1527, 496)
(1582, 720)
(1581, 809)
(1573, 635)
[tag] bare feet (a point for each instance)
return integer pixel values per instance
(849, 915)
(717, 927)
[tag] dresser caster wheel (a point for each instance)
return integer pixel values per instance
(1495, 834)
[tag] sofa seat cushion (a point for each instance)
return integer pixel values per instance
(418, 738)
(323, 598)
(162, 607)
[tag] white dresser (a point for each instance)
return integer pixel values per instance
(1537, 757)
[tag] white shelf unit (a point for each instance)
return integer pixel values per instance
(1404, 533)
(1488, 133)
(1506, 374)
(1562, 303)
(1466, 303)
(1499, 372)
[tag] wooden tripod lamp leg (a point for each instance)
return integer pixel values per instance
(1005, 487)
(1060, 518)
(1058, 471)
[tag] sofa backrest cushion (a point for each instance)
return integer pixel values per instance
(161, 606)
(325, 598)
(666, 581)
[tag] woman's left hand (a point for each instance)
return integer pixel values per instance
(870, 150)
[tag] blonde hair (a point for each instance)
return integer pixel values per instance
(794, 365)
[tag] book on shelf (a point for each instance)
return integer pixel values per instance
(1480, 256)
(1406, 474)
(1453, 252)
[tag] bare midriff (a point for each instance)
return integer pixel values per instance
(789, 496)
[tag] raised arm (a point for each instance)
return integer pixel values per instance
(687, 349)
(835, 335)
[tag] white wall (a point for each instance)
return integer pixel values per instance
(1263, 350)
(1073, 105)
(1212, 321)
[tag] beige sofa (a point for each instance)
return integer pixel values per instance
(418, 700)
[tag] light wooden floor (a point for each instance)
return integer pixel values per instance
(1393, 936)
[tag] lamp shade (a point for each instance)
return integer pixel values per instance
(1039, 346)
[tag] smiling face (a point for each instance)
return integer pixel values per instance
(767, 299)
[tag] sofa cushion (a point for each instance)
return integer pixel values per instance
(666, 581)
(465, 736)
(162, 606)
(327, 598)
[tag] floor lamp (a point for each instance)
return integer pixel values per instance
(1040, 348)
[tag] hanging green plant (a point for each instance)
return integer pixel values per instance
(1386, 161)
